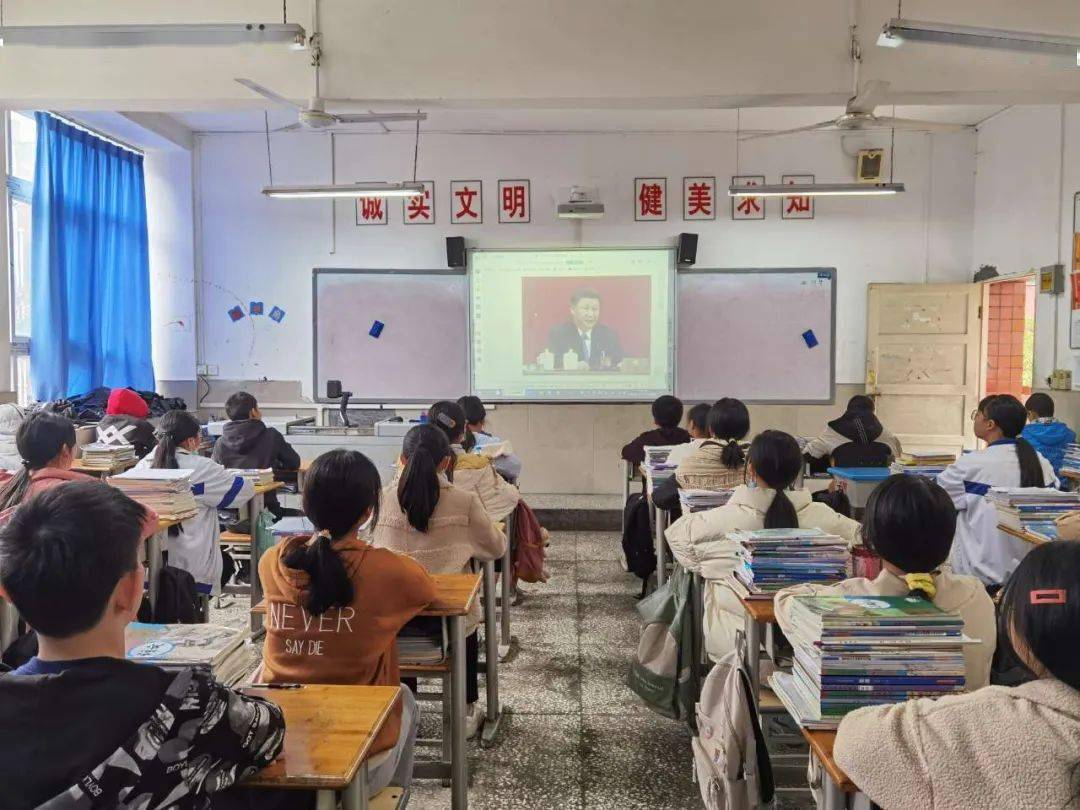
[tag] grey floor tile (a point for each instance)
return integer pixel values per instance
(640, 762)
(562, 579)
(606, 577)
(609, 620)
(603, 682)
(599, 546)
(563, 547)
(545, 619)
(541, 679)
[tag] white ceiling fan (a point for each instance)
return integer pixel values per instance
(315, 116)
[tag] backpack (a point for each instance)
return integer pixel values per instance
(177, 598)
(665, 673)
(836, 500)
(637, 539)
(731, 761)
(529, 552)
(862, 454)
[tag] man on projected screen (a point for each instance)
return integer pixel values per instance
(583, 342)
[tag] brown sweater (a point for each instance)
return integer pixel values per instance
(346, 645)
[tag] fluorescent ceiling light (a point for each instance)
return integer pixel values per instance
(353, 190)
(898, 31)
(817, 190)
(107, 36)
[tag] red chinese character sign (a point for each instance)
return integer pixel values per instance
(515, 201)
(797, 207)
(699, 198)
(372, 211)
(748, 207)
(650, 199)
(466, 202)
(420, 210)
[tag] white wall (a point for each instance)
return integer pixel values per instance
(253, 248)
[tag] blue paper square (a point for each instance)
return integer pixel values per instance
(810, 338)
(255, 308)
(277, 314)
(376, 329)
(236, 313)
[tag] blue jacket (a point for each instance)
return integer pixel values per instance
(1050, 438)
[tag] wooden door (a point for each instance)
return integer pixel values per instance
(922, 361)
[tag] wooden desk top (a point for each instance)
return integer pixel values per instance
(166, 523)
(328, 733)
(79, 466)
(821, 743)
(1027, 538)
(262, 489)
(760, 610)
(1073, 474)
(455, 595)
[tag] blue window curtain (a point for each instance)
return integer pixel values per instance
(90, 268)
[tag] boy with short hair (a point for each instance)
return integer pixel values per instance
(697, 425)
(1046, 434)
(667, 412)
(79, 724)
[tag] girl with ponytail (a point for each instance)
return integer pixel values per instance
(1008, 461)
(46, 444)
(194, 544)
(700, 541)
(335, 604)
(426, 517)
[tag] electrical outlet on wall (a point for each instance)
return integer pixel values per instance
(206, 370)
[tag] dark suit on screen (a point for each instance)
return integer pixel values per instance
(604, 345)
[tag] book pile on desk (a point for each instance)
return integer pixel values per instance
(167, 492)
(656, 462)
(98, 456)
(929, 463)
(422, 641)
(1044, 530)
(1071, 462)
(772, 559)
(1020, 507)
(698, 500)
(257, 478)
(173, 647)
(855, 651)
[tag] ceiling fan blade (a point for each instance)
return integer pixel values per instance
(868, 97)
(289, 128)
(886, 122)
(812, 128)
(378, 118)
(269, 94)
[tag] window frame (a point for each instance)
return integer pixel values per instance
(15, 189)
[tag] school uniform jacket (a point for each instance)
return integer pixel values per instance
(699, 543)
(998, 747)
(195, 549)
(980, 548)
(475, 473)
(955, 594)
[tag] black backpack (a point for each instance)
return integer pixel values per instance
(177, 598)
(637, 540)
(859, 454)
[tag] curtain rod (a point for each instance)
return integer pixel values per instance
(71, 122)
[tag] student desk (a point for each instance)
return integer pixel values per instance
(329, 731)
(758, 614)
(1021, 534)
(857, 483)
(836, 784)
(255, 508)
(122, 466)
(455, 595)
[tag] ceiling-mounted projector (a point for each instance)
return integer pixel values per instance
(584, 203)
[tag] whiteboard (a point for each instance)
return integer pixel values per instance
(740, 334)
(422, 353)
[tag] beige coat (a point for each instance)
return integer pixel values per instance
(955, 593)
(474, 473)
(997, 747)
(459, 532)
(699, 542)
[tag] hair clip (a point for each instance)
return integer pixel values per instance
(445, 421)
(1048, 596)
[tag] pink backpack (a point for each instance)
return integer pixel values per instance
(530, 539)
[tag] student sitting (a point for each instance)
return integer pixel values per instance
(125, 422)
(699, 541)
(246, 443)
(473, 473)
(997, 746)
(11, 416)
(666, 412)
(909, 523)
(46, 443)
(1046, 434)
(79, 725)
(193, 545)
(697, 425)
(858, 435)
(424, 516)
(506, 464)
(715, 463)
(980, 549)
(335, 604)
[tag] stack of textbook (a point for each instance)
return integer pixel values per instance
(257, 478)
(772, 559)
(656, 463)
(928, 463)
(1071, 462)
(214, 648)
(855, 651)
(98, 456)
(1021, 507)
(167, 492)
(698, 500)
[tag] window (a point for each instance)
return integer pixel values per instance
(21, 156)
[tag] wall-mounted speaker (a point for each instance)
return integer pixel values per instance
(455, 251)
(686, 254)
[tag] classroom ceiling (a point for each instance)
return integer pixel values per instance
(556, 55)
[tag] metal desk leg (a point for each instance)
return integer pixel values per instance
(506, 640)
(834, 797)
(459, 761)
(257, 504)
(491, 656)
(698, 594)
(661, 561)
(627, 475)
(355, 796)
(753, 656)
(155, 550)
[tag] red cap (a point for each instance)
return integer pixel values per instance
(125, 402)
